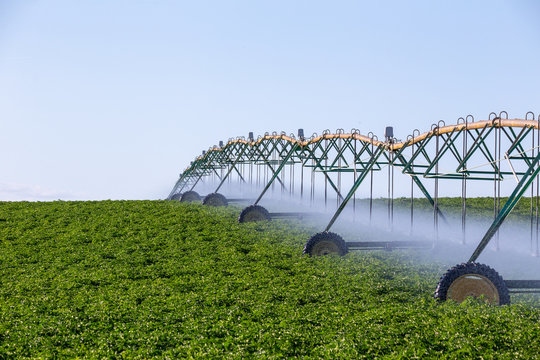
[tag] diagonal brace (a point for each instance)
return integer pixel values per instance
(278, 170)
(512, 201)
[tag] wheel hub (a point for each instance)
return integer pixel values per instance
(473, 285)
(325, 247)
(254, 215)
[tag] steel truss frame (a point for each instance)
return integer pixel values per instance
(421, 156)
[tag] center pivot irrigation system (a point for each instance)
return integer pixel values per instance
(489, 151)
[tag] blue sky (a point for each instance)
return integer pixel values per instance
(113, 99)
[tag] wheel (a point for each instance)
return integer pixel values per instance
(176, 196)
(215, 199)
(472, 279)
(326, 243)
(190, 196)
(254, 213)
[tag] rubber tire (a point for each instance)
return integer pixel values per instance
(472, 268)
(254, 213)
(176, 197)
(341, 245)
(190, 196)
(215, 199)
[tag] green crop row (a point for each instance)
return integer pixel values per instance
(479, 207)
(159, 279)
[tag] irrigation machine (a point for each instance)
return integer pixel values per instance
(336, 165)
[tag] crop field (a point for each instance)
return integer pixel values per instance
(478, 207)
(164, 279)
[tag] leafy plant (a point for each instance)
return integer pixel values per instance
(159, 279)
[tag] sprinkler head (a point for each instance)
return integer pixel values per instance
(250, 136)
(301, 133)
(220, 143)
